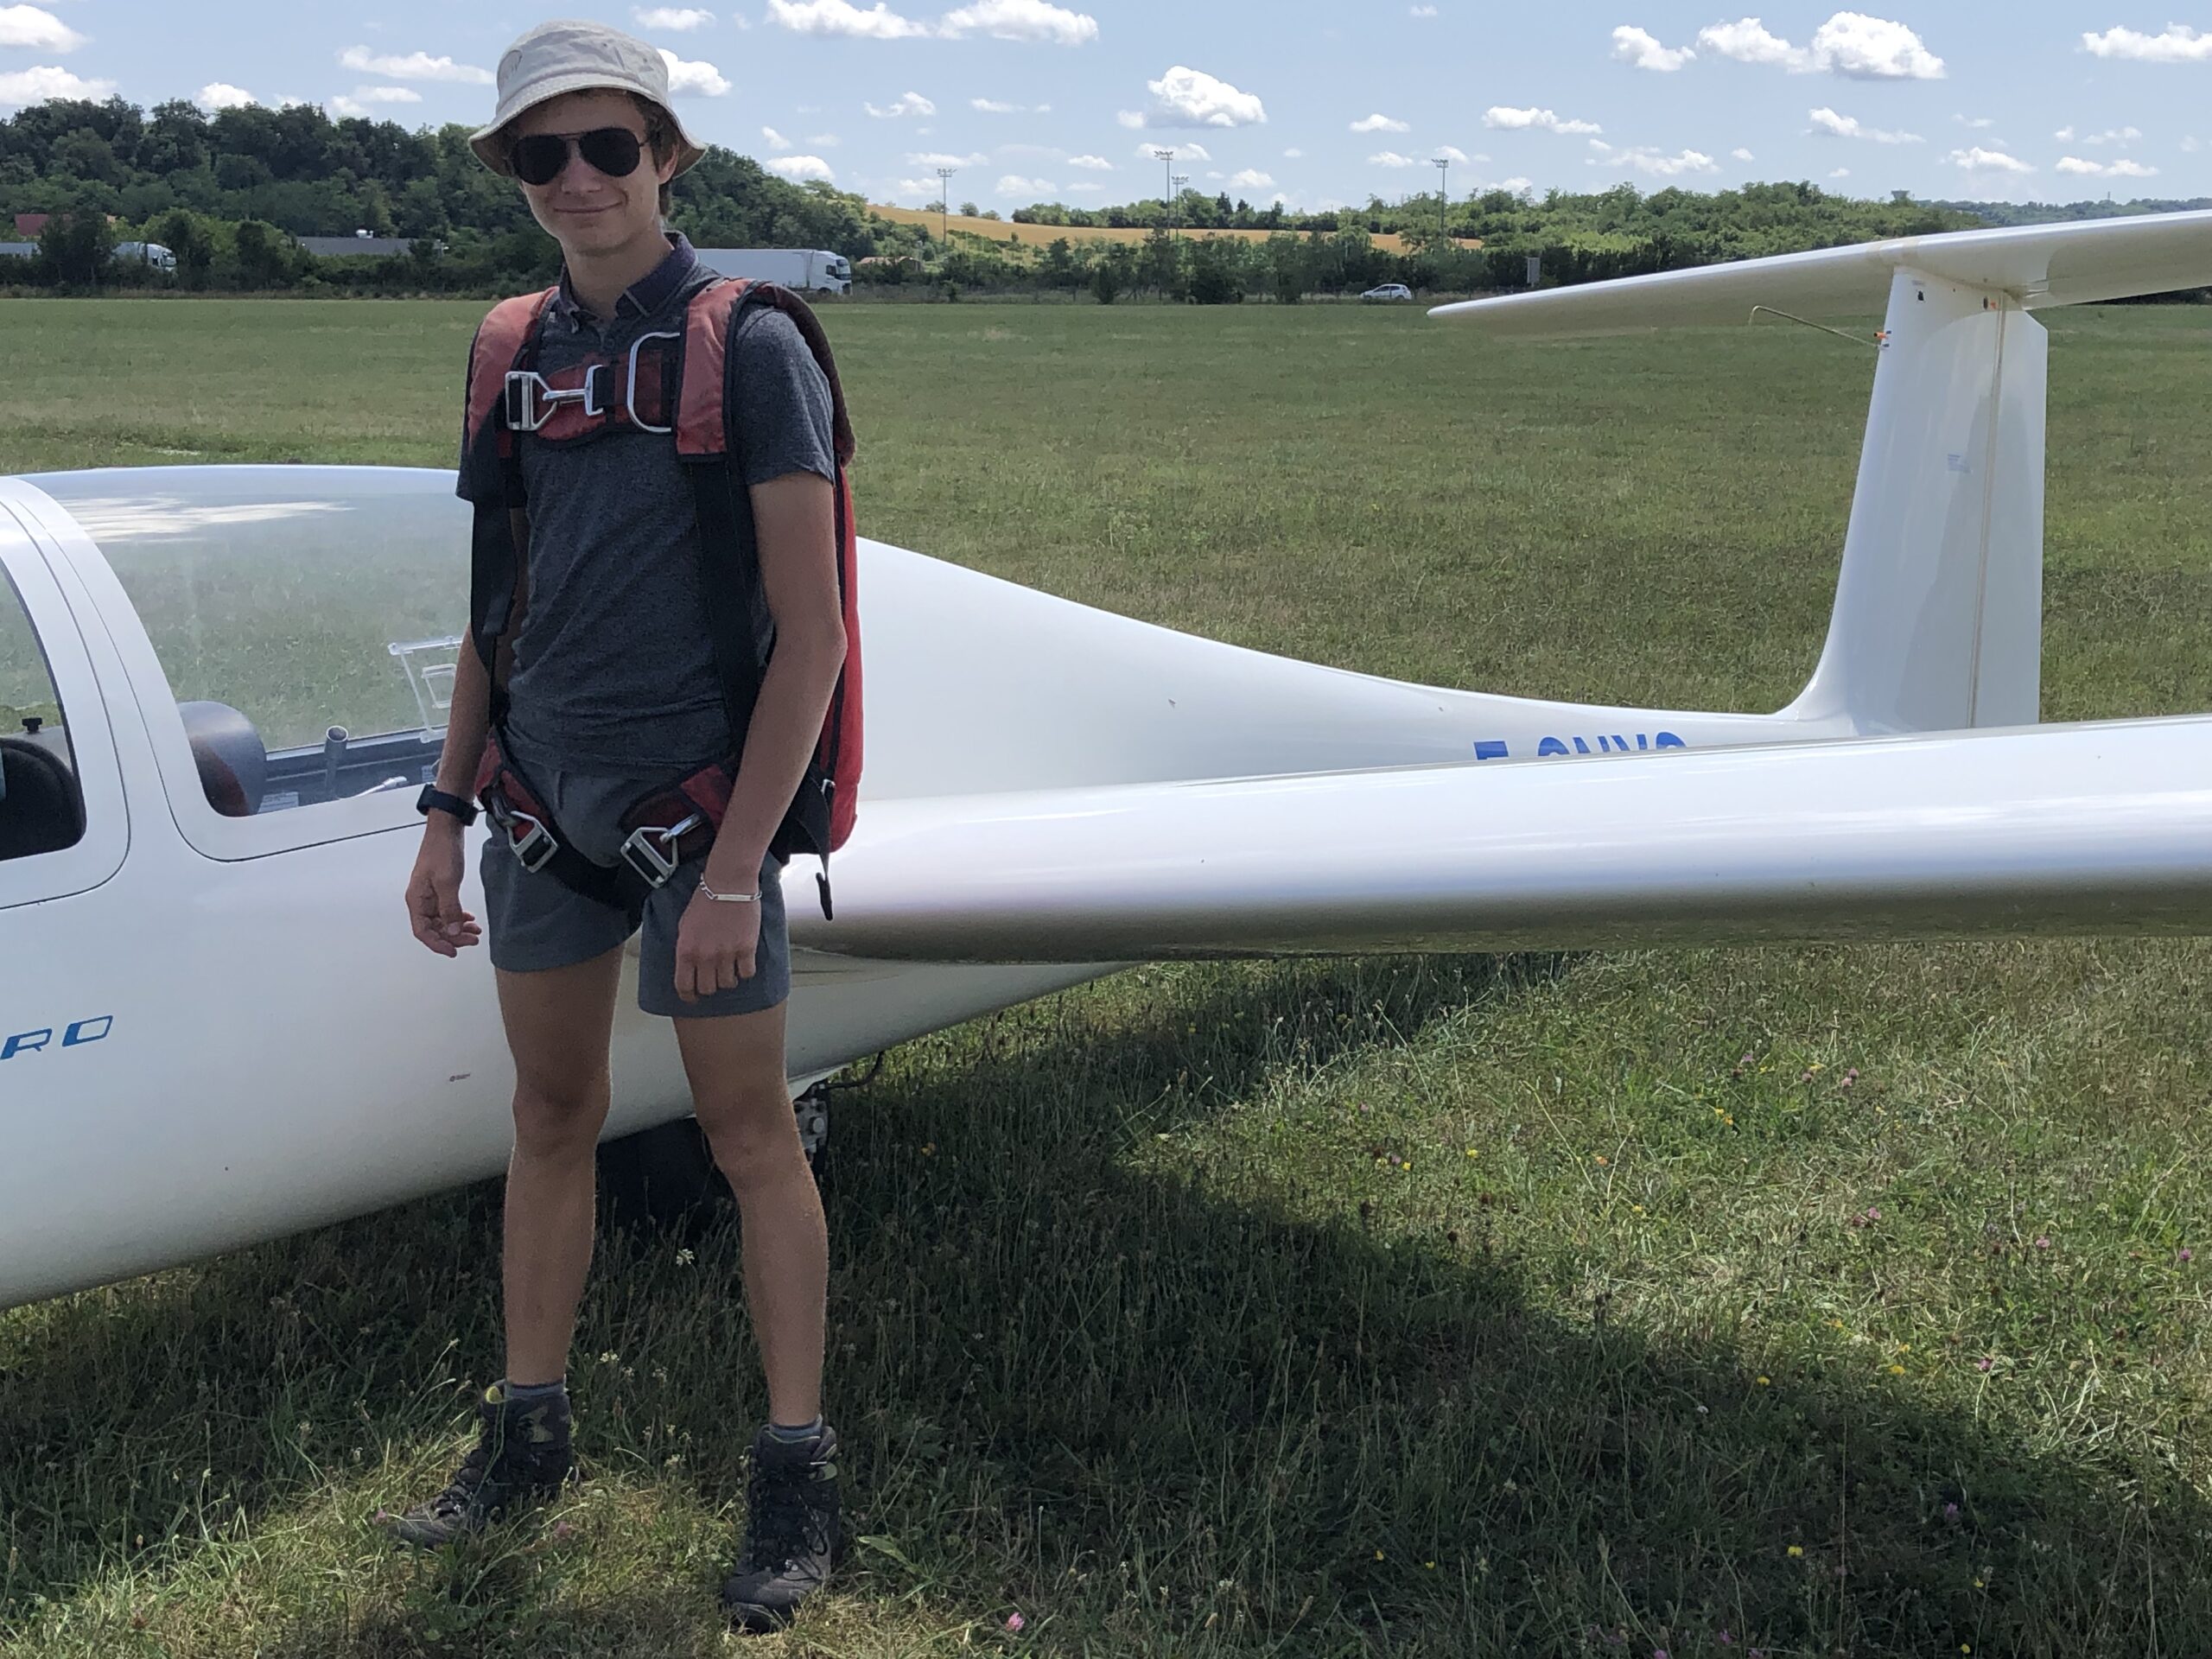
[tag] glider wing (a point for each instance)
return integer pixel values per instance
(2096, 828)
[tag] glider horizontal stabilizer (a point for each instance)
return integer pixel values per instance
(2037, 265)
(2097, 829)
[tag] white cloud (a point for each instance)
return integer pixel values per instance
(1872, 49)
(1848, 126)
(1743, 155)
(1014, 185)
(1637, 46)
(1516, 185)
(1184, 148)
(1750, 42)
(1850, 43)
(1293, 154)
(1520, 120)
(1456, 155)
(37, 85)
(385, 95)
(414, 66)
(32, 27)
(1084, 184)
(1424, 11)
(1978, 160)
(1977, 123)
(2121, 136)
(879, 23)
(994, 106)
(1191, 98)
(1643, 159)
(1381, 124)
(687, 78)
(939, 158)
(2121, 169)
(2063, 134)
(1021, 20)
(823, 140)
(1091, 163)
(909, 104)
(1252, 178)
(680, 20)
(2189, 146)
(2180, 44)
(930, 189)
(1841, 172)
(1391, 158)
(773, 139)
(222, 95)
(800, 168)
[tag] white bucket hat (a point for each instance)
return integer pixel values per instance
(577, 57)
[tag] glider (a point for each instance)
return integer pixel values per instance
(224, 684)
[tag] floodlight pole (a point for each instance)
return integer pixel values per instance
(1443, 165)
(1175, 213)
(944, 204)
(1166, 159)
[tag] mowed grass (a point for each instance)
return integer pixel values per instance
(1810, 1301)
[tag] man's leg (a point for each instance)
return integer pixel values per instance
(735, 1064)
(558, 1024)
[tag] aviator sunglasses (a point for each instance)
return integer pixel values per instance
(539, 158)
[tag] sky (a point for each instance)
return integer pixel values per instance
(1316, 104)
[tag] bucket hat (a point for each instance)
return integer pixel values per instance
(571, 56)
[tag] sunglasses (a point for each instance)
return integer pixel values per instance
(539, 158)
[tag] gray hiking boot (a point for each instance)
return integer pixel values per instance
(522, 1454)
(790, 1502)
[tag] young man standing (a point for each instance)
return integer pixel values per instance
(612, 689)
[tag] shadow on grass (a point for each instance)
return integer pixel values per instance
(1160, 1412)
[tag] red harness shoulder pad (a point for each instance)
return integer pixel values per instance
(702, 435)
(501, 340)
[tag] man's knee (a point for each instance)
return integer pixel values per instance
(559, 1116)
(748, 1123)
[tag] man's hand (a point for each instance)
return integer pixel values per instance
(715, 946)
(434, 891)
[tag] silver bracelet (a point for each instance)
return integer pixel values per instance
(751, 897)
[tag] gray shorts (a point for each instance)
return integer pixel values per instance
(533, 923)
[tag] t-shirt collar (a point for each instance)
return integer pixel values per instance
(645, 295)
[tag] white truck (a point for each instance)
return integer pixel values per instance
(807, 270)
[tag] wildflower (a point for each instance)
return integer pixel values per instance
(684, 1258)
(1896, 1370)
(1762, 1381)
(1431, 1566)
(929, 1149)
(1601, 1158)
(563, 1529)
(1726, 1640)
(2185, 1253)
(1471, 1153)
(1951, 1513)
(1873, 1214)
(1015, 1621)
(1796, 1550)
(2043, 1243)
(1984, 1363)
(1378, 1555)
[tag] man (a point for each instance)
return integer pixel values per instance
(612, 690)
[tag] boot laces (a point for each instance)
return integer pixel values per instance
(786, 1524)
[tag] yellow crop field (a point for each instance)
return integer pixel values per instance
(1042, 235)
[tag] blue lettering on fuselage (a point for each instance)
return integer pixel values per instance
(72, 1036)
(1609, 743)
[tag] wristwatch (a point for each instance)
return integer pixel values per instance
(433, 800)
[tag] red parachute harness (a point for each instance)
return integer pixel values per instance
(672, 383)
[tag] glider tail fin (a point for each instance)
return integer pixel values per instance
(1938, 620)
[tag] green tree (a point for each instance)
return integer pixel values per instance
(264, 255)
(186, 236)
(76, 246)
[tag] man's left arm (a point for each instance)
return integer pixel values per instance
(795, 525)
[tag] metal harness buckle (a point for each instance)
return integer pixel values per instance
(532, 401)
(653, 865)
(534, 850)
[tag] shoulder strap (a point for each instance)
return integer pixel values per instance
(504, 341)
(703, 415)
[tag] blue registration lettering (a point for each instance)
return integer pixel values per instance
(29, 1043)
(1489, 751)
(83, 1032)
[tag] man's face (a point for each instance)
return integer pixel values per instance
(583, 208)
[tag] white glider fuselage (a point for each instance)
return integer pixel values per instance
(215, 1026)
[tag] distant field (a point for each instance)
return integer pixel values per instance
(1562, 1306)
(1044, 235)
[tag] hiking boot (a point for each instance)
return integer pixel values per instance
(790, 1506)
(522, 1453)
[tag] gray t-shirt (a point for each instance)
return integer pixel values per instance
(614, 663)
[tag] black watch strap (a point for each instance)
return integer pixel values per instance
(433, 800)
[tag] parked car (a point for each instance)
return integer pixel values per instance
(1388, 291)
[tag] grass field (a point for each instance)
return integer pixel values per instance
(1045, 235)
(1813, 1301)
